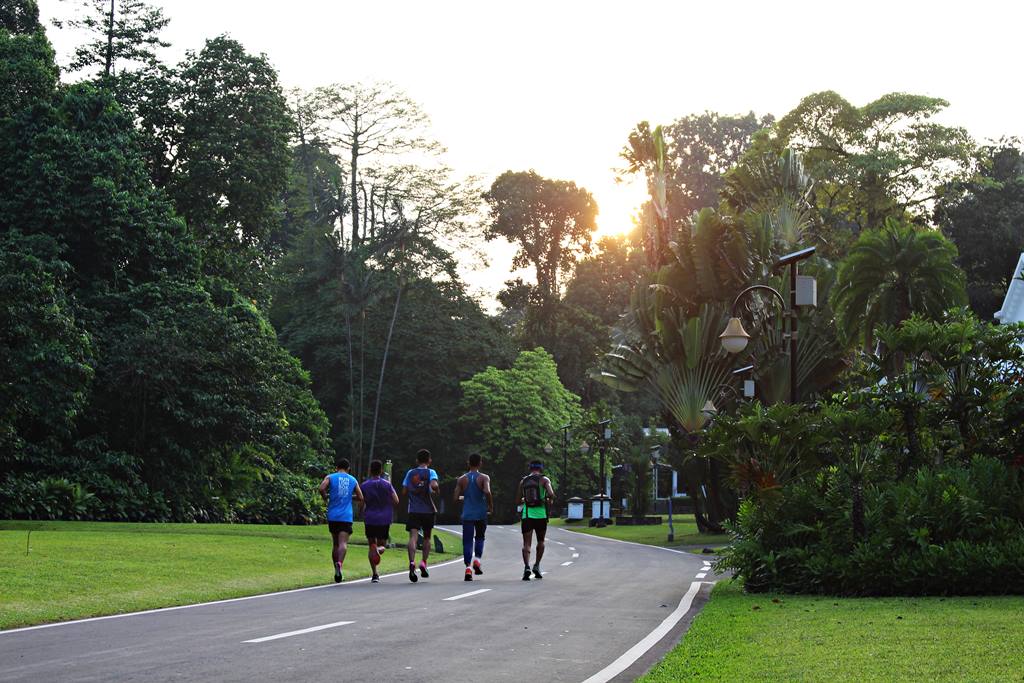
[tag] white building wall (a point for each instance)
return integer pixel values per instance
(1013, 305)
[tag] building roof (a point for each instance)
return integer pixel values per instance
(1013, 305)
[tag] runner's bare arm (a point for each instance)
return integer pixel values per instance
(394, 496)
(323, 487)
(485, 484)
(434, 486)
(547, 486)
(460, 486)
(358, 495)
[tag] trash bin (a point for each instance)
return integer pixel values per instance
(575, 511)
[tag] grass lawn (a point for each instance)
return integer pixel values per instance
(685, 532)
(740, 637)
(86, 569)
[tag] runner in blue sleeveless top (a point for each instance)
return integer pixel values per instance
(474, 490)
(338, 490)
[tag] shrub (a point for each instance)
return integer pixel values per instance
(950, 529)
(283, 499)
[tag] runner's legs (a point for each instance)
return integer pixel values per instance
(541, 533)
(468, 530)
(527, 542)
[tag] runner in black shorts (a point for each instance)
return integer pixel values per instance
(418, 484)
(534, 493)
(379, 501)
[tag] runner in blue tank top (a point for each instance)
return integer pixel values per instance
(474, 490)
(338, 490)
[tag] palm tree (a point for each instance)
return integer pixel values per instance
(892, 273)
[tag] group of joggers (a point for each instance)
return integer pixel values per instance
(378, 499)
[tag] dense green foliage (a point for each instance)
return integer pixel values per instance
(136, 387)
(892, 273)
(511, 413)
(984, 217)
(913, 486)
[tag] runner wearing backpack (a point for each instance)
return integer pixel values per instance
(418, 484)
(534, 493)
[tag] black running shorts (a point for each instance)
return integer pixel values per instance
(335, 527)
(378, 531)
(538, 525)
(424, 521)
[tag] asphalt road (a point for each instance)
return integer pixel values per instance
(604, 611)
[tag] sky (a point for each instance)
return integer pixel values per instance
(556, 86)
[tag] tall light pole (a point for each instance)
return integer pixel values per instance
(606, 435)
(735, 338)
(565, 463)
(656, 461)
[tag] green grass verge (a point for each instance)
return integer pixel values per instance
(84, 569)
(739, 637)
(656, 534)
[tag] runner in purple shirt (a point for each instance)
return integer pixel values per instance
(379, 500)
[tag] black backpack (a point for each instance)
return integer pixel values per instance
(531, 491)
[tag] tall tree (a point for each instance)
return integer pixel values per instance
(884, 159)
(367, 124)
(511, 413)
(550, 221)
(699, 149)
(892, 273)
(28, 73)
(123, 34)
(230, 160)
(984, 216)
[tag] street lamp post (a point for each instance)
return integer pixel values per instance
(565, 463)
(606, 439)
(735, 338)
(656, 461)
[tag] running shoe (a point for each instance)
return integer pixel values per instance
(423, 570)
(536, 571)
(412, 573)
(526, 574)
(380, 550)
(375, 579)
(337, 574)
(476, 568)
(469, 574)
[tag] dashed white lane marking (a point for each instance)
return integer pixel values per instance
(575, 555)
(332, 586)
(616, 540)
(571, 548)
(637, 651)
(559, 543)
(701, 575)
(466, 595)
(566, 564)
(299, 632)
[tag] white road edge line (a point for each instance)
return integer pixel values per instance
(701, 575)
(212, 602)
(566, 564)
(637, 651)
(615, 540)
(289, 634)
(466, 595)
